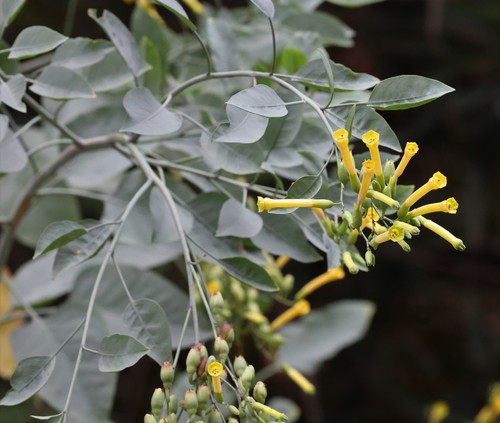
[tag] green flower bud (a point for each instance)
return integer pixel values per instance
(190, 402)
(172, 418)
(239, 364)
(216, 302)
(252, 294)
(167, 374)
(201, 368)
(203, 394)
(286, 284)
(389, 170)
(172, 403)
(215, 416)
(232, 420)
(221, 348)
(352, 237)
(347, 216)
(247, 378)
(233, 410)
(342, 228)
(237, 291)
(342, 172)
(148, 418)
(157, 400)
(260, 392)
(357, 217)
(193, 359)
(370, 258)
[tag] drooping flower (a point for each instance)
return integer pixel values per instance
(443, 233)
(449, 205)
(330, 275)
(349, 262)
(301, 381)
(300, 308)
(266, 203)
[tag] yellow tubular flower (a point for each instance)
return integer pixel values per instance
(395, 233)
(213, 286)
(149, 7)
(299, 379)
(195, 6)
(330, 275)
(370, 217)
(371, 139)
(215, 369)
(281, 261)
(377, 195)
(443, 233)
(368, 169)
(446, 206)
(320, 213)
(300, 308)
(411, 149)
(408, 228)
(266, 203)
(349, 262)
(437, 181)
(257, 406)
(341, 139)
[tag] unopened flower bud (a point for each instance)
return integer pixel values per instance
(203, 394)
(233, 410)
(215, 416)
(172, 418)
(216, 301)
(247, 378)
(173, 403)
(389, 170)
(149, 418)
(193, 359)
(237, 291)
(221, 348)
(239, 364)
(232, 420)
(342, 172)
(260, 392)
(167, 374)
(190, 402)
(157, 400)
(357, 217)
(370, 258)
(349, 262)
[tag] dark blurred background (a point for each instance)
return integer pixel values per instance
(436, 333)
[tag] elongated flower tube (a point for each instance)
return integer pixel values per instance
(437, 181)
(371, 140)
(282, 261)
(341, 137)
(266, 203)
(300, 308)
(215, 369)
(377, 195)
(320, 213)
(446, 206)
(411, 149)
(443, 233)
(409, 229)
(330, 275)
(301, 381)
(368, 167)
(257, 406)
(395, 233)
(349, 262)
(371, 216)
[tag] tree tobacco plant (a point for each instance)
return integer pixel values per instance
(214, 156)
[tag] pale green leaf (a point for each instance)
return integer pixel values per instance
(35, 40)
(77, 53)
(249, 273)
(237, 220)
(244, 127)
(13, 158)
(261, 100)
(406, 91)
(147, 115)
(329, 329)
(29, 377)
(178, 10)
(8, 11)
(12, 91)
(61, 84)
(147, 322)
(58, 234)
(117, 352)
(265, 6)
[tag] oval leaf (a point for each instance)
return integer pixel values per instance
(13, 158)
(237, 220)
(77, 53)
(265, 6)
(244, 127)
(12, 91)
(406, 91)
(147, 115)
(29, 377)
(58, 234)
(61, 84)
(329, 329)
(178, 10)
(249, 273)
(261, 100)
(147, 322)
(117, 352)
(35, 40)
(123, 40)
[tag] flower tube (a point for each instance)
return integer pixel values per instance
(300, 308)
(266, 203)
(383, 198)
(341, 137)
(299, 379)
(411, 149)
(371, 140)
(395, 233)
(368, 169)
(443, 233)
(330, 275)
(437, 181)
(449, 205)
(215, 369)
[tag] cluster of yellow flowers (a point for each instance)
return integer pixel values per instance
(374, 209)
